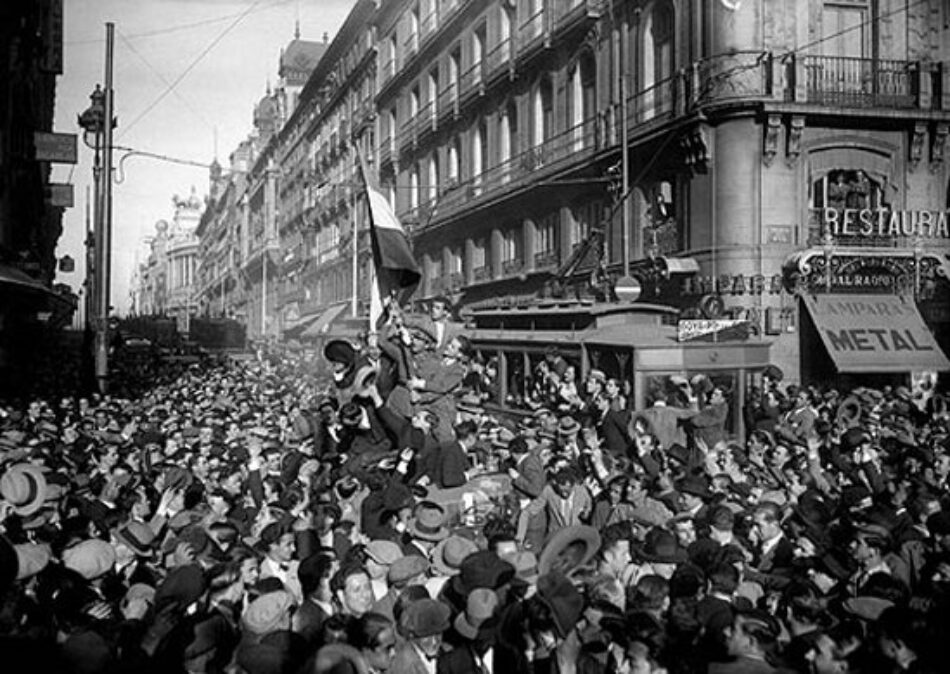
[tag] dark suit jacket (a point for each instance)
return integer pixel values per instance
(614, 428)
(461, 660)
(773, 569)
(308, 620)
(451, 464)
(531, 478)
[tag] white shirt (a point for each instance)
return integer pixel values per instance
(486, 661)
(429, 665)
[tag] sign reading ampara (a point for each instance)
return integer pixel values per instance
(875, 333)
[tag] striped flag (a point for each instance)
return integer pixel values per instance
(396, 273)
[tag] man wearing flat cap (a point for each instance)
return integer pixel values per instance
(423, 622)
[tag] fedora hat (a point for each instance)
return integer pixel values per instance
(138, 537)
(568, 549)
(447, 557)
(428, 523)
(695, 485)
(479, 609)
(568, 426)
(482, 569)
(661, 547)
(564, 601)
(23, 486)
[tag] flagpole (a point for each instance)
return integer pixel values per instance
(354, 300)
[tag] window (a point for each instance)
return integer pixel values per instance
(393, 128)
(480, 260)
(543, 112)
(504, 32)
(414, 188)
(583, 101)
(455, 151)
(433, 89)
(546, 239)
(663, 233)
(414, 102)
(512, 249)
(433, 178)
(412, 41)
(479, 150)
(478, 52)
(455, 67)
(657, 57)
(847, 188)
(845, 28)
(391, 56)
(586, 216)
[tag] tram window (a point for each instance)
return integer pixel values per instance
(482, 378)
(676, 389)
(517, 381)
(555, 382)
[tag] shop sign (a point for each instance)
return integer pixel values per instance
(884, 222)
(734, 284)
(883, 324)
(722, 328)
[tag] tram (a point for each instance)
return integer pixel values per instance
(639, 344)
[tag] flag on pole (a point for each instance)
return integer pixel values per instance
(395, 271)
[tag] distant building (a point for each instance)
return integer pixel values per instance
(167, 279)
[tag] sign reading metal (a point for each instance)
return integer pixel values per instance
(56, 147)
(875, 333)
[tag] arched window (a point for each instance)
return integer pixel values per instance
(658, 57)
(583, 101)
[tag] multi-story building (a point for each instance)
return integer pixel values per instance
(218, 239)
(323, 223)
(167, 281)
(31, 57)
(764, 141)
(258, 231)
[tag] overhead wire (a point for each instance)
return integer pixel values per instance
(179, 27)
(164, 79)
(204, 52)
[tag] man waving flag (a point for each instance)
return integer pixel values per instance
(396, 273)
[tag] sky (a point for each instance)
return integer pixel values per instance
(220, 56)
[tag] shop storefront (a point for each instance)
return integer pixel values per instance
(873, 314)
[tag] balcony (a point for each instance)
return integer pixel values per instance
(448, 102)
(499, 62)
(575, 15)
(425, 122)
(534, 35)
(860, 83)
(472, 83)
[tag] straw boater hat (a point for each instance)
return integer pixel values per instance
(569, 549)
(23, 486)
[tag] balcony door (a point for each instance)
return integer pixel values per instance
(845, 65)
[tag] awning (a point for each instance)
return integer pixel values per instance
(11, 276)
(322, 324)
(875, 333)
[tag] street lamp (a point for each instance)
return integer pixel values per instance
(92, 122)
(97, 122)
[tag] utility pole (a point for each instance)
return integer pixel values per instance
(620, 56)
(104, 225)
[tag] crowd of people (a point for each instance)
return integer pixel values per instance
(257, 516)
